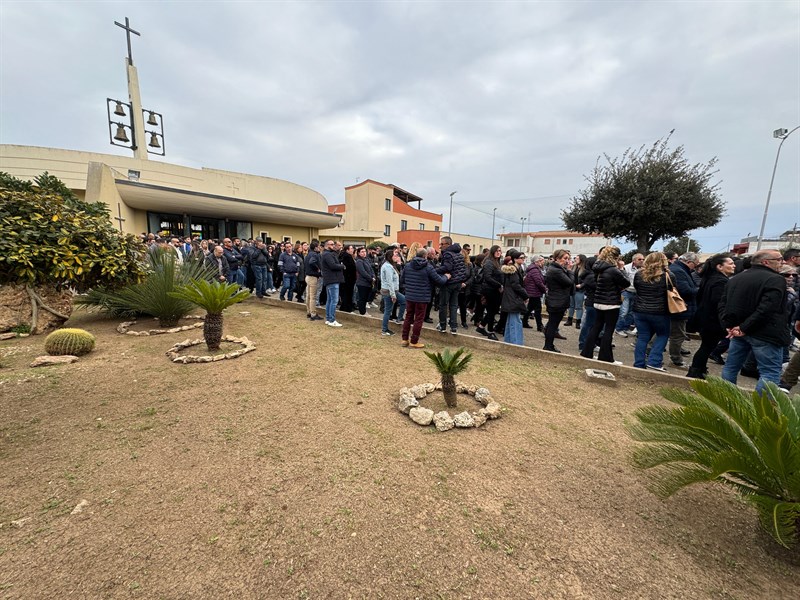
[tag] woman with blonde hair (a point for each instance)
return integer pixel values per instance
(607, 302)
(650, 312)
(412, 251)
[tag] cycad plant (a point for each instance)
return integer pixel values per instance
(152, 295)
(449, 364)
(750, 442)
(214, 297)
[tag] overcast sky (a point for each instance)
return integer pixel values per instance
(508, 103)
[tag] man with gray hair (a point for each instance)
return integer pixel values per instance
(752, 311)
(680, 273)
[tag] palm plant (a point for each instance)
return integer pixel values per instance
(750, 442)
(152, 295)
(449, 364)
(214, 297)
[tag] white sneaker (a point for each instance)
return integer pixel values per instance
(632, 331)
(617, 362)
(621, 333)
(335, 324)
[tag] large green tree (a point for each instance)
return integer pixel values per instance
(646, 195)
(681, 245)
(50, 239)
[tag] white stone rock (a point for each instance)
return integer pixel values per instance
(204, 359)
(8, 336)
(421, 415)
(443, 421)
(464, 419)
(493, 410)
(131, 333)
(479, 418)
(429, 387)
(461, 388)
(482, 395)
(218, 358)
(79, 507)
(47, 361)
(407, 403)
(20, 522)
(419, 392)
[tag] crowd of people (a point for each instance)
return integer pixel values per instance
(746, 308)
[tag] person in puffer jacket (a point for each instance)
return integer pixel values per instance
(650, 312)
(452, 263)
(514, 297)
(536, 288)
(418, 278)
(559, 289)
(607, 302)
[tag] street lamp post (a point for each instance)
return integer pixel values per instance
(494, 211)
(522, 220)
(451, 213)
(782, 134)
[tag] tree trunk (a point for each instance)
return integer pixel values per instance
(642, 243)
(449, 391)
(212, 330)
(168, 321)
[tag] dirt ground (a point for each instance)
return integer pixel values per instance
(289, 473)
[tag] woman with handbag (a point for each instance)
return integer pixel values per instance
(650, 312)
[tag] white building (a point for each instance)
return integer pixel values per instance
(788, 239)
(547, 242)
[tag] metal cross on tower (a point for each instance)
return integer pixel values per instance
(128, 32)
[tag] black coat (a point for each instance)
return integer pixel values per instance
(514, 294)
(559, 286)
(350, 274)
(651, 296)
(311, 263)
(453, 263)
(753, 301)
(492, 277)
(610, 283)
(706, 319)
(332, 269)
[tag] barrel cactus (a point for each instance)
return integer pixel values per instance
(69, 341)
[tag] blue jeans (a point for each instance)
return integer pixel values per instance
(289, 281)
(625, 319)
(233, 276)
(260, 272)
(513, 333)
(387, 309)
(269, 283)
(448, 305)
(768, 356)
(648, 326)
(332, 290)
(589, 315)
(576, 306)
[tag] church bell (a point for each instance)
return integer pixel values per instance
(154, 140)
(151, 120)
(121, 136)
(119, 110)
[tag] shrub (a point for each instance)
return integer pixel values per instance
(153, 295)
(749, 442)
(69, 341)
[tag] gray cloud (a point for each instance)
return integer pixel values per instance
(508, 103)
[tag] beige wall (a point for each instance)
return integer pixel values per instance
(366, 211)
(476, 242)
(26, 162)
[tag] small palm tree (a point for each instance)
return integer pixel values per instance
(750, 442)
(213, 297)
(152, 295)
(449, 364)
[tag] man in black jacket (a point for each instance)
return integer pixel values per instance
(752, 312)
(454, 265)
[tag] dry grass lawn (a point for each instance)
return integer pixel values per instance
(289, 473)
